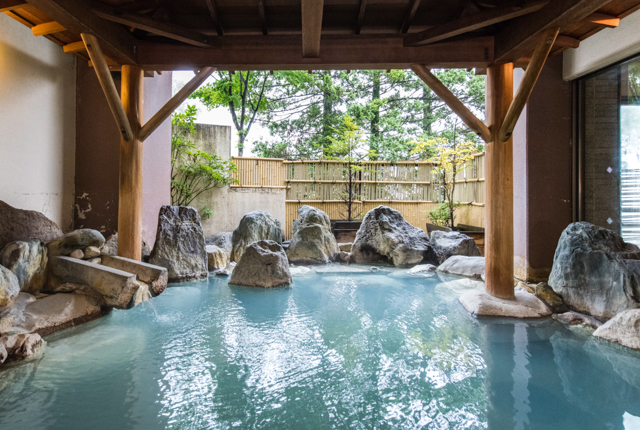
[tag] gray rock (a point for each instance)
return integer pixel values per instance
(96, 260)
(448, 243)
(346, 247)
(217, 257)
(110, 247)
(524, 305)
(180, 244)
(9, 288)
(471, 267)
(264, 264)
(91, 252)
(576, 318)
(22, 225)
(595, 271)
(343, 257)
(78, 253)
(624, 329)
(313, 242)
(222, 240)
(75, 240)
(386, 237)
(21, 346)
(422, 269)
(226, 270)
(254, 226)
(545, 293)
(28, 261)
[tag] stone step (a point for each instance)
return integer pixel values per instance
(156, 276)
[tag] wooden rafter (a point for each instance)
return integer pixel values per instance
(213, 11)
(474, 22)
(76, 16)
(175, 101)
(529, 80)
(9, 5)
(567, 41)
(519, 36)
(363, 7)
(312, 11)
(74, 47)
(452, 101)
(47, 28)
(604, 19)
(108, 87)
(151, 25)
(408, 18)
(263, 18)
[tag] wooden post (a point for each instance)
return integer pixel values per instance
(130, 193)
(499, 186)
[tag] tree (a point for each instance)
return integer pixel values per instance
(449, 157)
(245, 93)
(349, 147)
(193, 171)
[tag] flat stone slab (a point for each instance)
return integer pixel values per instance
(157, 276)
(340, 270)
(525, 305)
(624, 329)
(471, 267)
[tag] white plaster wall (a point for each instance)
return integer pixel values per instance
(603, 49)
(37, 123)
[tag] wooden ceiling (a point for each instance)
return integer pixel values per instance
(315, 34)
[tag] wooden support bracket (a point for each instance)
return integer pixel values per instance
(452, 101)
(311, 27)
(107, 84)
(175, 101)
(529, 80)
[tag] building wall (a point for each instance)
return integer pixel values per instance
(97, 155)
(37, 123)
(542, 150)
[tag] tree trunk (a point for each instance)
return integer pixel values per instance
(374, 142)
(427, 111)
(327, 110)
(241, 137)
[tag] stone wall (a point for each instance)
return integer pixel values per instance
(37, 123)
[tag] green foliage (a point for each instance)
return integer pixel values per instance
(193, 171)
(441, 215)
(206, 212)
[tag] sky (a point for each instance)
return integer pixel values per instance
(218, 116)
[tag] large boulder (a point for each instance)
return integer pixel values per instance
(180, 244)
(221, 240)
(595, 271)
(17, 224)
(110, 247)
(385, 237)
(460, 265)
(75, 240)
(313, 242)
(28, 261)
(254, 226)
(20, 346)
(218, 248)
(624, 329)
(264, 264)
(448, 243)
(9, 288)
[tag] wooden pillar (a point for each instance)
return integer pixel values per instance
(130, 192)
(499, 186)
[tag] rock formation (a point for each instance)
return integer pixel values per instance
(595, 271)
(76, 240)
(218, 248)
(624, 329)
(9, 288)
(386, 237)
(471, 267)
(17, 224)
(264, 264)
(28, 261)
(180, 244)
(313, 242)
(254, 226)
(448, 243)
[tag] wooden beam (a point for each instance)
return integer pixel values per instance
(518, 36)
(342, 52)
(263, 18)
(499, 186)
(47, 28)
(474, 22)
(408, 18)
(567, 41)
(311, 27)
(363, 7)
(142, 22)
(9, 5)
(76, 16)
(106, 82)
(604, 19)
(166, 110)
(529, 80)
(452, 101)
(130, 183)
(74, 47)
(213, 11)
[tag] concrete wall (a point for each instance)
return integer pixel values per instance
(37, 123)
(542, 173)
(604, 48)
(228, 204)
(97, 155)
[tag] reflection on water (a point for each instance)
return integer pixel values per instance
(336, 350)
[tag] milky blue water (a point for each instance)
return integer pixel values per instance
(335, 350)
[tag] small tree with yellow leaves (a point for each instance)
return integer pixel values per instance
(350, 147)
(448, 158)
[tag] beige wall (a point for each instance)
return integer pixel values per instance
(37, 123)
(603, 49)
